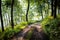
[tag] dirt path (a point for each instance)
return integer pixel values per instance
(36, 26)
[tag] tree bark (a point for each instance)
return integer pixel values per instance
(55, 8)
(58, 10)
(27, 10)
(41, 12)
(48, 8)
(52, 7)
(12, 23)
(1, 17)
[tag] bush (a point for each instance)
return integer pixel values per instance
(52, 27)
(8, 33)
(22, 25)
(31, 22)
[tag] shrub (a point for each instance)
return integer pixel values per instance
(52, 27)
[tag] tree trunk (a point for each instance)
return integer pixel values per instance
(45, 10)
(27, 10)
(12, 23)
(55, 7)
(58, 10)
(41, 12)
(1, 17)
(48, 8)
(52, 7)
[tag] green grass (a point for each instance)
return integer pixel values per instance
(9, 32)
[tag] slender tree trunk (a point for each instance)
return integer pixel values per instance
(45, 13)
(55, 7)
(27, 10)
(41, 12)
(52, 7)
(12, 23)
(1, 17)
(48, 9)
(58, 10)
(45, 9)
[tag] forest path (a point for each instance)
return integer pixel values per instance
(22, 34)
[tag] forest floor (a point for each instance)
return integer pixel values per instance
(38, 33)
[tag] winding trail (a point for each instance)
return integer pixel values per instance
(36, 26)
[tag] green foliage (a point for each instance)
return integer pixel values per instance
(0, 31)
(23, 23)
(52, 27)
(31, 22)
(9, 2)
(9, 32)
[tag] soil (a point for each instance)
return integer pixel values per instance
(38, 33)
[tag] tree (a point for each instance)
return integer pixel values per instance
(58, 6)
(41, 11)
(12, 23)
(54, 7)
(1, 17)
(48, 8)
(13, 4)
(27, 10)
